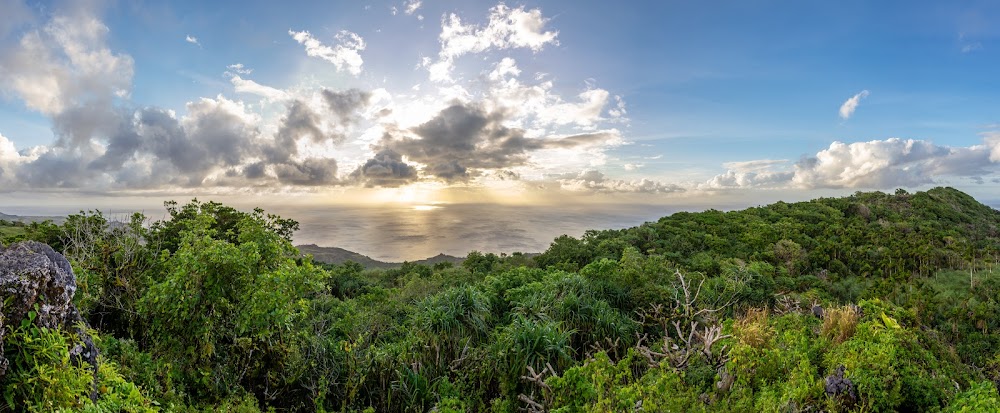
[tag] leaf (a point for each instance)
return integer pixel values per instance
(889, 321)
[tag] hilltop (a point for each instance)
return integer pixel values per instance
(334, 255)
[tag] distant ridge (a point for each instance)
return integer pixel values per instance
(334, 255)
(31, 218)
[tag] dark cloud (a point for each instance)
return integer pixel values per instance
(344, 104)
(385, 169)
(312, 171)
(54, 169)
(462, 138)
(507, 175)
(255, 170)
(586, 139)
(299, 122)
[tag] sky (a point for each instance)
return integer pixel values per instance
(534, 103)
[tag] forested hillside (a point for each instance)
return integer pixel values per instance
(872, 302)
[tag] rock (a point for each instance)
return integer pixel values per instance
(817, 311)
(33, 274)
(33, 277)
(841, 388)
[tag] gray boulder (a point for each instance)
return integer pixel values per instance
(33, 277)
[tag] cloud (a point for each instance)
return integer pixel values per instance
(412, 6)
(538, 104)
(972, 47)
(477, 134)
(385, 169)
(310, 172)
(593, 181)
(239, 69)
(464, 139)
(241, 85)
(193, 40)
(63, 64)
(345, 55)
(876, 164)
(585, 113)
(345, 104)
(585, 140)
(508, 28)
(755, 165)
(749, 179)
(850, 105)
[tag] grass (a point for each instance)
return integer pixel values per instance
(7, 232)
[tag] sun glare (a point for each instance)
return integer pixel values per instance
(425, 207)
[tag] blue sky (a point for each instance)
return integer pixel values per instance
(651, 100)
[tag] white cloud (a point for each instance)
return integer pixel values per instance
(249, 86)
(850, 105)
(7, 150)
(507, 29)
(412, 6)
(584, 113)
(632, 166)
(594, 181)
(191, 39)
(877, 164)
(748, 179)
(239, 69)
(345, 55)
(968, 48)
(64, 64)
(536, 104)
(755, 165)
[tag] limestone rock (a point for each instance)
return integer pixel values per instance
(33, 277)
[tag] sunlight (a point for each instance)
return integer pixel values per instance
(426, 207)
(421, 193)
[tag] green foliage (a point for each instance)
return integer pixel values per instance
(44, 377)
(212, 309)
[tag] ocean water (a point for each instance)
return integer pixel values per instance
(412, 232)
(399, 232)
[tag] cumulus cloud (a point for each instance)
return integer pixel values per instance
(461, 137)
(748, 179)
(344, 56)
(464, 139)
(345, 104)
(193, 40)
(385, 169)
(65, 63)
(538, 104)
(9, 159)
(311, 171)
(593, 181)
(877, 164)
(498, 132)
(850, 105)
(508, 28)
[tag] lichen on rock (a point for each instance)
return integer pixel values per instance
(34, 277)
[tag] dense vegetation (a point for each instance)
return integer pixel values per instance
(872, 302)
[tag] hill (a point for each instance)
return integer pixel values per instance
(872, 302)
(334, 255)
(871, 234)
